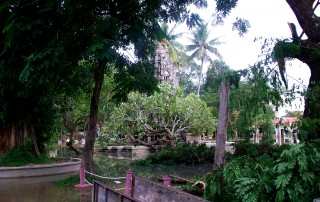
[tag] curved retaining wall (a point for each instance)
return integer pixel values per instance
(40, 170)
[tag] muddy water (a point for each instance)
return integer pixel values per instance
(39, 189)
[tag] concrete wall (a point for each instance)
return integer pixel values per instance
(145, 191)
(40, 170)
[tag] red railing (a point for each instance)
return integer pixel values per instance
(104, 193)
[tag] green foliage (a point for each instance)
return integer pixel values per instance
(284, 49)
(183, 153)
(23, 155)
(226, 6)
(242, 25)
(248, 101)
(69, 181)
(38, 38)
(252, 150)
(308, 129)
(264, 173)
(109, 140)
(167, 109)
(297, 173)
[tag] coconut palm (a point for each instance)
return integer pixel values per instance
(202, 47)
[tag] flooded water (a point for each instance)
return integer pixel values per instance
(112, 164)
(39, 189)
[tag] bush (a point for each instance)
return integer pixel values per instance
(109, 140)
(289, 174)
(254, 150)
(183, 153)
(23, 155)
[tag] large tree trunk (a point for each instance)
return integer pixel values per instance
(16, 136)
(222, 126)
(309, 54)
(7, 139)
(93, 118)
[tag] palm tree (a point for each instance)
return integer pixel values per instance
(201, 47)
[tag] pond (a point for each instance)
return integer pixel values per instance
(105, 164)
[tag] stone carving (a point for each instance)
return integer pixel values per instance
(165, 69)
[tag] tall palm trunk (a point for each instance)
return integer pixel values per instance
(200, 76)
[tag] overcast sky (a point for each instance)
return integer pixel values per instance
(268, 19)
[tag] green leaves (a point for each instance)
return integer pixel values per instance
(290, 174)
(283, 180)
(166, 110)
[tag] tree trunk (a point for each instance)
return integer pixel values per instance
(93, 118)
(16, 136)
(312, 108)
(222, 126)
(71, 141)
(7, 139)
(200, 76)
(34, 141)
(309, 54)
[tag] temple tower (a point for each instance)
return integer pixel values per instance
(165, 69)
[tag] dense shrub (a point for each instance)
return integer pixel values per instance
(109, 140)
(183, 153)
(289, 174)
(254, 150)
(23, 155)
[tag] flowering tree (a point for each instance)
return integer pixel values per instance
(161, 118)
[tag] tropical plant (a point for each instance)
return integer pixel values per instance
(268, 174)
(201, 47)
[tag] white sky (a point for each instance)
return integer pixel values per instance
(267, 18)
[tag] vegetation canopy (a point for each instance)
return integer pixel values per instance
(161, 118)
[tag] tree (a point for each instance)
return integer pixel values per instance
(305, 50)
(187, 75)
(31, 51)
(201, 47)
(219, 159)
(161, 118)
(40, 37)
(250, 100)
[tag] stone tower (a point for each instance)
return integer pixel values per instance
(165, 69)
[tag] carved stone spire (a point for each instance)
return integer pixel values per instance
(165, 69)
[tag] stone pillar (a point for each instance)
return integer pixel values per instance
(129, 182)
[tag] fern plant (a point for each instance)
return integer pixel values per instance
(296, 173)
(291, 175)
